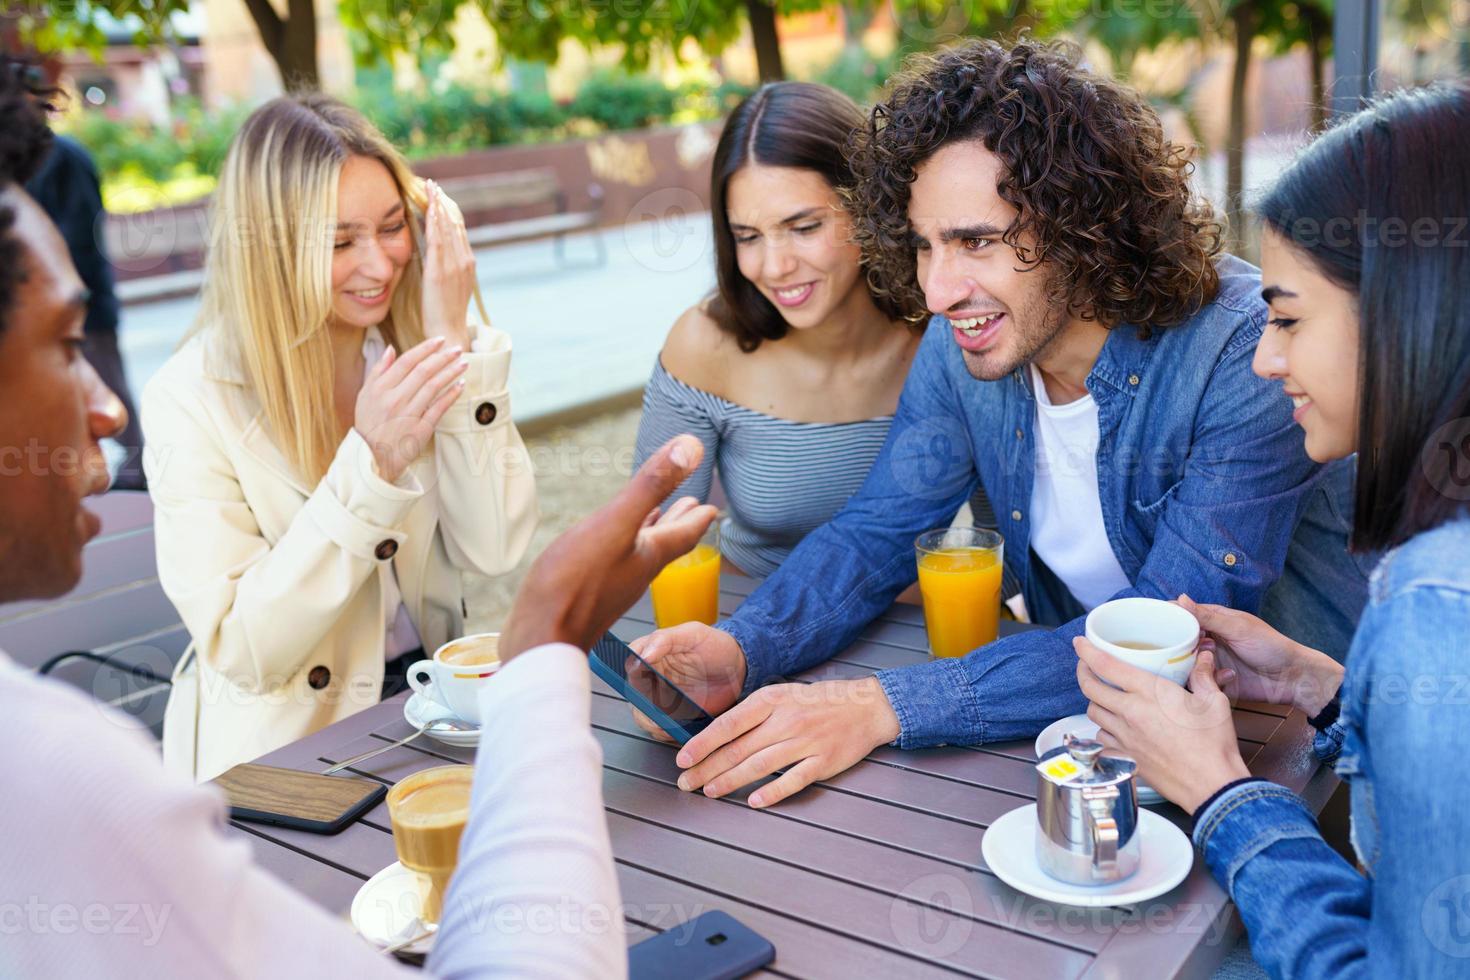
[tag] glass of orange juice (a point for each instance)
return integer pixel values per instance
(688, 588)
(959, 578)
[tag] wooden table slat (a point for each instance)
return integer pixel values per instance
(136, 609)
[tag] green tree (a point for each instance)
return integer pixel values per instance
(531, 30)
(526, 29)
(290, 37)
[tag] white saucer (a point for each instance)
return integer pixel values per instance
(1166, 856)
(419, 710)
(1084, 727)
(386, 909)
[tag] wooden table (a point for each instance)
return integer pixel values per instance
(876, 872)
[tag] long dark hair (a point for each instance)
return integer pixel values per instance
(783, 124)
(1380, 205)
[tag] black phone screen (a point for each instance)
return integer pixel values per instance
(642, 681)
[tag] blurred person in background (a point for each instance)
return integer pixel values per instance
(68, 189)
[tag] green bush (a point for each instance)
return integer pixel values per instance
(857, 74)
(617, 100)
(194, 140)
(459, 118)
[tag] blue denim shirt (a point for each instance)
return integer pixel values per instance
(1201, 475)
(1401, 731)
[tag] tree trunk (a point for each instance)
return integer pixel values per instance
(1244, 19)
(298, 57)
(291, 42)
(767, 45)
(856, 19)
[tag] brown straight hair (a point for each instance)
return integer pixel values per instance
(783, 124)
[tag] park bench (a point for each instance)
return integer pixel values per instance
(156, 253)
(481, 195)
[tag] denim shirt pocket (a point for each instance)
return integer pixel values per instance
(1352, 768)
(1152, 510)
(1143, 517)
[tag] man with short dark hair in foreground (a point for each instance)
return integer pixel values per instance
(112, 866)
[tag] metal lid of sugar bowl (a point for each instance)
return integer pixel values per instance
(1080, 762)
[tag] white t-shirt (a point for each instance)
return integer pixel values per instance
(1067, 530)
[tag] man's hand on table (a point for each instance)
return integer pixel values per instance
(703, 662)
(591, 574)
(817, 730)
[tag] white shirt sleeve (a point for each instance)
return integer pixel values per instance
(113, 866)
(535, 894)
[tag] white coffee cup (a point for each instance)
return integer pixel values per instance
(1157, 636)
(457, 685)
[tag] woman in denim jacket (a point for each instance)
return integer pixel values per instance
(1365, 262)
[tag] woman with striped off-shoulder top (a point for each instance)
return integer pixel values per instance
(790, 371)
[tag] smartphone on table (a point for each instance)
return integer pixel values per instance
(714, 946)
(301, 800)
(647, 690)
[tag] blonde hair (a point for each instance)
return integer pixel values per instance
(268, 277)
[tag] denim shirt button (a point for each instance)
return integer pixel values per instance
(1133, 379)
(1020, 434)
(1230, 559)
(1015, 515)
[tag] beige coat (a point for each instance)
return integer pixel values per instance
(281, 585)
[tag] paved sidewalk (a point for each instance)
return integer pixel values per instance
(583, 333)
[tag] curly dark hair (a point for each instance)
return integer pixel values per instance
(1103, 195)
(25, 139)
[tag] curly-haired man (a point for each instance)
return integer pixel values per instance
(1088, 362)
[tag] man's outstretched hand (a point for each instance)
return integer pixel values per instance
(592, 574)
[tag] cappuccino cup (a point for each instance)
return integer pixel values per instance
(428, 811)
(1151, 634)
(459, 670)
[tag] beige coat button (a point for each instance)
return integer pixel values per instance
(319, 678)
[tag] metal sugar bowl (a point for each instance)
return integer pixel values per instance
(1087, 814)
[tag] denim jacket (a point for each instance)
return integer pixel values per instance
(1401, 733)
(1201, 475)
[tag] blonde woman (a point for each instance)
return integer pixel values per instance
(331, 444)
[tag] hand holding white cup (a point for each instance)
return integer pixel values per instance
(1150, 634)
